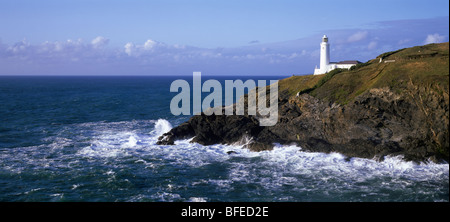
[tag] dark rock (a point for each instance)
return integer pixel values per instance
(258, 146)
(377, 123)
(231, 152)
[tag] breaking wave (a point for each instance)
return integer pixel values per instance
(162, 126)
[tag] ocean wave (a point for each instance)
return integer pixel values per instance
(122, 150)
(126, 138)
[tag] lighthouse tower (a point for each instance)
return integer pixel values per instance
(324, 57)
(324, 54)
(325, 64)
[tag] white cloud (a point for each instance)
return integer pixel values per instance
(129, 48)
(19, 47)
(99, 42)
(149, 44)
(179, 46)
(68, 45)
(148, 47)
(358, 36)
(59, 52)
(434, 38)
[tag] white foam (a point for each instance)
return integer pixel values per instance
(167, 197)
(132, 142)
(288, 166)
(191, 154)
(285, 159)
(162, 126)
(116, 139)
(197, 199)
(110, 144)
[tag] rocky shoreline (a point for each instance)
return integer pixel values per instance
(412, 122)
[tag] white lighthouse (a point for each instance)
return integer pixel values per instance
(324, 54)
(325, 64)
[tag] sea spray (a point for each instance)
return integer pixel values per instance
(162, 126)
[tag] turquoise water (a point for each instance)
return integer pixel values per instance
(93, 139)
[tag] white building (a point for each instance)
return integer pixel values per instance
(325, 64)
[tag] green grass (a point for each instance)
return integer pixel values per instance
(426, 66)
(295, 84)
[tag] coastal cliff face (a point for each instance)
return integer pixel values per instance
(373, 110)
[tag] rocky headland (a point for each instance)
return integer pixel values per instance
(395, 104)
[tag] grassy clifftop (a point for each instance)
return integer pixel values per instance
(421, 66)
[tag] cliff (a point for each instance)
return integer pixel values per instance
(395, 104)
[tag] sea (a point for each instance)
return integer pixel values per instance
(93, 139)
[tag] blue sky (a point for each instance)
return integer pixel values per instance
(246, 37)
